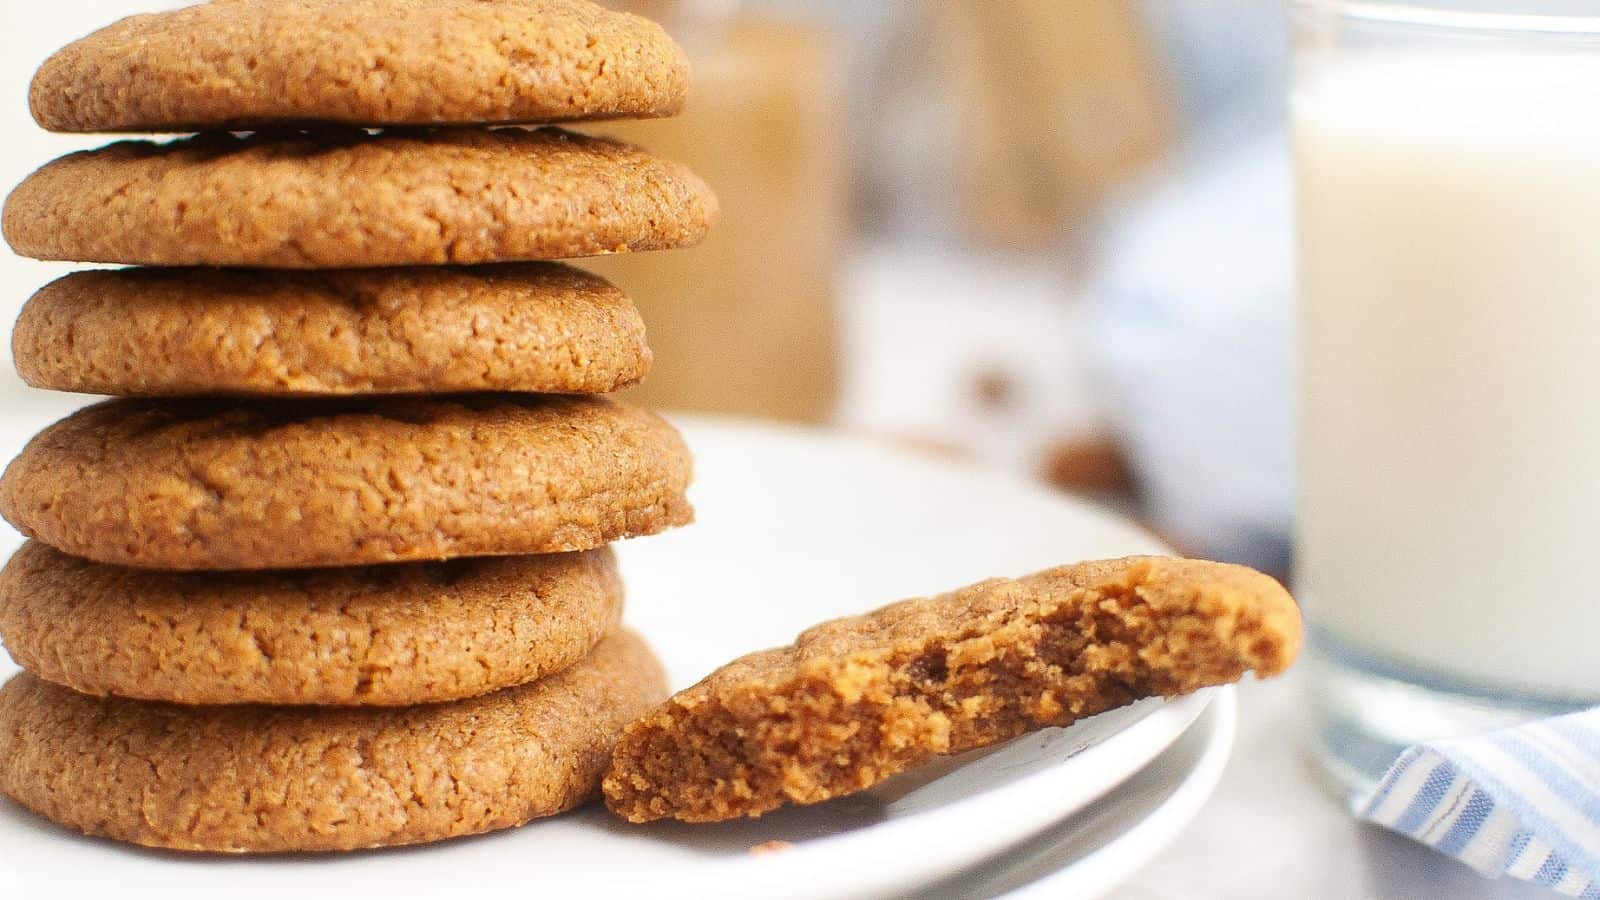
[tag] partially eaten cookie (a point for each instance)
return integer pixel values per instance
(857, 700)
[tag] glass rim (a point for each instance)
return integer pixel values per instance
(1403, 13)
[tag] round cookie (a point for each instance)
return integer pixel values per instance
(535, 327)
(246, 779)
(210, 484)
(352, 199)
(239, 64)
(373, 636)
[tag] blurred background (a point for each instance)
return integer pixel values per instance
(1049, 236)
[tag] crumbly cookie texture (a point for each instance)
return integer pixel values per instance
(242, 64)
(376, 636)
(257, 779)
(352, 199)
(857, 700)
(212, 484)
(533, 327)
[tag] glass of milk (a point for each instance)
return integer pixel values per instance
(1447, 166)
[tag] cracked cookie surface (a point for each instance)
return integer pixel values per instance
(242, 779)
(215, 484)
(241, 64)
(532, 327)
(350, 199)
(374, 636)
(857, 700)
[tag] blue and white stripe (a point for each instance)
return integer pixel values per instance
(1523, 802)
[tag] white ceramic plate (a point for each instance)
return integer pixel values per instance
(1106, 843)
(794, 526)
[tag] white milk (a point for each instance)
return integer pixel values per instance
(1449, 456)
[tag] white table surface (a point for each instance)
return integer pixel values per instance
(1272, 831)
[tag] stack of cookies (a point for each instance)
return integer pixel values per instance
(333, 573)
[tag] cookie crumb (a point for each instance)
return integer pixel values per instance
(995, 388)
(1089, 464)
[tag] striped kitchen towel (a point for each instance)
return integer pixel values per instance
(1523, 802)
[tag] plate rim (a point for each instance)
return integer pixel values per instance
(854, 861)
(1111, 864)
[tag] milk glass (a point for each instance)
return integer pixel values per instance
(1447, 164)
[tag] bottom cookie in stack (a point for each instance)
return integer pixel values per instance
(267, 779)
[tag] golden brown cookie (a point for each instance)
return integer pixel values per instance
(240, 64)
(857, 700)
(352, 200)
(251, 779)
(211, 484)
(536, 327)
(372, 636)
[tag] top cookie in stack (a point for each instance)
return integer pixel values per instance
(348, 359)
(249, 64)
